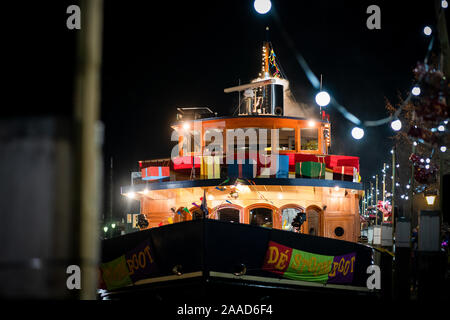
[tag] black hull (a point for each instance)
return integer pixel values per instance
(210, 252)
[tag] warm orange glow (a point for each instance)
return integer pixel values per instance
(430, 199)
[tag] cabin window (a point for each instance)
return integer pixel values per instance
(213, 141)
(288, 216)
(191, 142)
(228, 215)
(309, 139)
(287, 139)
(261, 217)
(254, 138)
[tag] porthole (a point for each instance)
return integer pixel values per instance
(339, 231)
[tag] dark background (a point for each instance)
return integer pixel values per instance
(159, 55)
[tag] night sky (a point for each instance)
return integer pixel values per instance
(158, 56)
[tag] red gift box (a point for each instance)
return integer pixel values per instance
(344, 170)
(185, 163)
(331, 161)
(349, 162)
(345, 173)
(155, 173)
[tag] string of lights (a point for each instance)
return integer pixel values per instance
(323, 98)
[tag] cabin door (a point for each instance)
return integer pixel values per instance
(312, 218)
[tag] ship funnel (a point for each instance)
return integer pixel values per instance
(274, 99)
(264, 95)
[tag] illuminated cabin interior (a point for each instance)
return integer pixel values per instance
(331, 206)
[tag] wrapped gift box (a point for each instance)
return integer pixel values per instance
(274, 166)
(332, 161)
(210, 167)
(282, 166)
(328, 174)
(155, 173)
(264, 173)
(349, 162)
(310, 169)
(242, 170)
(345, 173)
(185, 163)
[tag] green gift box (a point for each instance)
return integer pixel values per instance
(310, 170)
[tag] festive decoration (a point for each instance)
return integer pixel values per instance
(273, 64)
(423, 172)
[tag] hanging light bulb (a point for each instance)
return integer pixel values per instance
(441, 128)
(416, 90)
(443, 148)
(415, 143)
(427, 30)
(262, 6)
(444, 4)
(396, 125)
(357, 133)
(323, 98)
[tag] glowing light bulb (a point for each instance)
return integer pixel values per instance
(186, 126)
(443, 148)
(441, 128)
(415, 143)
(415, 91)
(262, 6)
(427, 30)
(396, 125)
(131, 194)
(357, 133)
(323, 98)
(311, 123)
(430, 199)
(428, 160)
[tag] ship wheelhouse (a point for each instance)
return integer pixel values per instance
(236, 185)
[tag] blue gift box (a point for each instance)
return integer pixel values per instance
(283, 166)
(242, 170)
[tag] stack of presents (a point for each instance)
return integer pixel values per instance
(292, 165)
